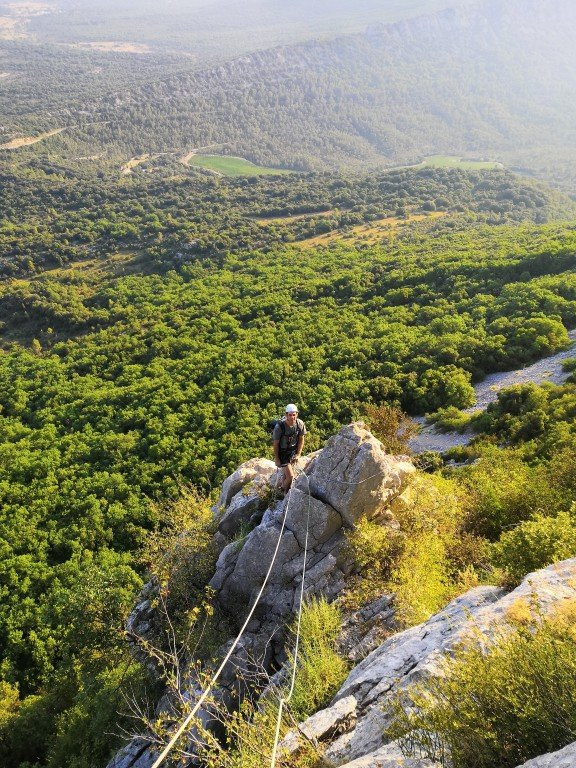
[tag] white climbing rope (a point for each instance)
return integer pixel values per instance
(285, 699)
(186, 722)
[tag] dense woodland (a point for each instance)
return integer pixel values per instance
(51, 216)
(173, 322)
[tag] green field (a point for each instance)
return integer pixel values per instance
(232, 166)
(453, 161)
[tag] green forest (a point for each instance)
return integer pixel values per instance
(152, 328)
(209, 214)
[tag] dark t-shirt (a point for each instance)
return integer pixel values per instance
(288, 442)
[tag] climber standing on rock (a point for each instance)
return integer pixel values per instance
(288, 440)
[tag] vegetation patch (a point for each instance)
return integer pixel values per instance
(27, 141)
(454, 161)
(371, 232)
(225, 165)
(496, 708)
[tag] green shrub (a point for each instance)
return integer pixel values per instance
(502, 491)
(569, 364)
(535, 544)
(450, 419)
(499, 708)
(320, 670)
(421, 580)
(319, 674)
(426, 559)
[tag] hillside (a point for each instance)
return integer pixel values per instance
(143, 325)
(491, 80)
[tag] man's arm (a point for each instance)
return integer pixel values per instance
(277, 452)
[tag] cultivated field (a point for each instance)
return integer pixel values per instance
(453, 161)
(225, 165)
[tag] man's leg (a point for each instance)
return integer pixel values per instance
(288, 477)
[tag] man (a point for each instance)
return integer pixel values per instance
(288, 440)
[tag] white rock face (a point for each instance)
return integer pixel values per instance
(564, 758)
(349, 478)
(417, 653)
(250, 470)
(389, 756)
(354, 475)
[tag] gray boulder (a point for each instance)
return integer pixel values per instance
(564, 758)
(349, 478)
(354, 475)
(390, 756)
(478, 616)
(246, 473)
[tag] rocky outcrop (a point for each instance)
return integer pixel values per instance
(350, 478)
(417, 653)
(564, 758)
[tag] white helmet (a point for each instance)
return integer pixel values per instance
(291, 408)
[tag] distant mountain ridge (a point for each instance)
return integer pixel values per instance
(492, 79)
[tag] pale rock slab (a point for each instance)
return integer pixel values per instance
(354, 475)
(250, 470)
(564, 758)
(478, 616)
(390, 756)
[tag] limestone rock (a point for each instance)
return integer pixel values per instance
(321, 726)
(390, 756)
(245, 508)
(417, 653)
(354, 475)
(364, 630)
(350, 477)
(242, 476)
(136, 754)
(564, 758)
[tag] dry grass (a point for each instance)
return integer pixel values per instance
(113, 46)
(27, 141)
(287, 219)
(372, 232)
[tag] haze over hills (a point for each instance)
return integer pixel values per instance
(489, 79)
(213, 29)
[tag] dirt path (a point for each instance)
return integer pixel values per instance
(134, 162)
(27, 141)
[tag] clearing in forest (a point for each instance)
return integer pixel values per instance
(296, 217)
(113, 46)
(453, 161)
(371, 232)
(228, 165)
(134, 162)
(26, 141)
